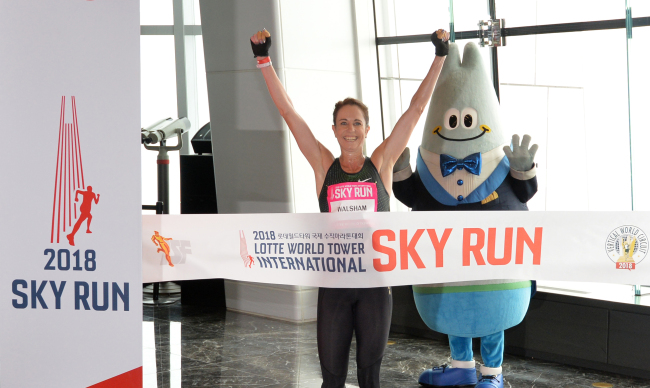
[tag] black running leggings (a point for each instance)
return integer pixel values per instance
(367, 312)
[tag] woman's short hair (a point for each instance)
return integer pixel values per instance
(351, 101)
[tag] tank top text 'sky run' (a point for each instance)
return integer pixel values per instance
(360, 192)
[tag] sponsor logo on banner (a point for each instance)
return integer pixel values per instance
(352, 197)
(68, 217)
(627, 246)
(174, 251)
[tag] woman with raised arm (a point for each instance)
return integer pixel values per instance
(364, 311)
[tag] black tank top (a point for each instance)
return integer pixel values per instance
(363, 191)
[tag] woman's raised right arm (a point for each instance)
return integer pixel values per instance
(319, 157)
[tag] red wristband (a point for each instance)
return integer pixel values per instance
(265, 60)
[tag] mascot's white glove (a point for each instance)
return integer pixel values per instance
(520, 156)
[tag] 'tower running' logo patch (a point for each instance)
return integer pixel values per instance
(174, 251)
(627, 246)
(352, 197)
(161, 243)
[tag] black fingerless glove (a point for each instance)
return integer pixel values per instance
(262, 49)
(442, 48)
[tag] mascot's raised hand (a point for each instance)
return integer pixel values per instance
(521, 157)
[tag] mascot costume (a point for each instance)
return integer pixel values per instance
(466, 162)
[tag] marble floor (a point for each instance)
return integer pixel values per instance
(187, 346)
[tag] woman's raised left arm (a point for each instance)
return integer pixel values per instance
(385, 156)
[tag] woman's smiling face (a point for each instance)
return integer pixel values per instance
(350, 129)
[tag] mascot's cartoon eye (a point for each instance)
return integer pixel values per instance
(470, 118)
(451, 118)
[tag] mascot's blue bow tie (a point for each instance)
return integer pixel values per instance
(449, 164)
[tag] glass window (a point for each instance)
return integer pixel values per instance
(411, 60)
(531, 13)
(467, 13)
(197, 13)
(385, 18)
(640, 8)
(639, 57)
(158, 72)
(158, 93)
(568, 91)
(573, 102)
(415, 59)
(156, 12)
(388, 64)
(410, 17)
(415, 17)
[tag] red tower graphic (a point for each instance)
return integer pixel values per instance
(69, 181)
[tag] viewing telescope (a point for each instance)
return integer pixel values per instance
(158, 133)
(164, 130)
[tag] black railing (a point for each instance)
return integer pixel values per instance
(528, 30)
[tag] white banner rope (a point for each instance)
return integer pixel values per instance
(389, 249)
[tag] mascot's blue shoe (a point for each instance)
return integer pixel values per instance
(446, 376)
(490, 382)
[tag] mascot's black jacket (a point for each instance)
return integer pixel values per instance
(512, 195)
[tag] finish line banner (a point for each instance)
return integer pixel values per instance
(346, 250)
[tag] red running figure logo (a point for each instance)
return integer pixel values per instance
(70, 181)
(243, 251)
(88, 198)
(159, 241)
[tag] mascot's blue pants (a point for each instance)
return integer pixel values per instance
(475, 311)
(491, 349)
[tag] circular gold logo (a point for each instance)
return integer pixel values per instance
(626, 246)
